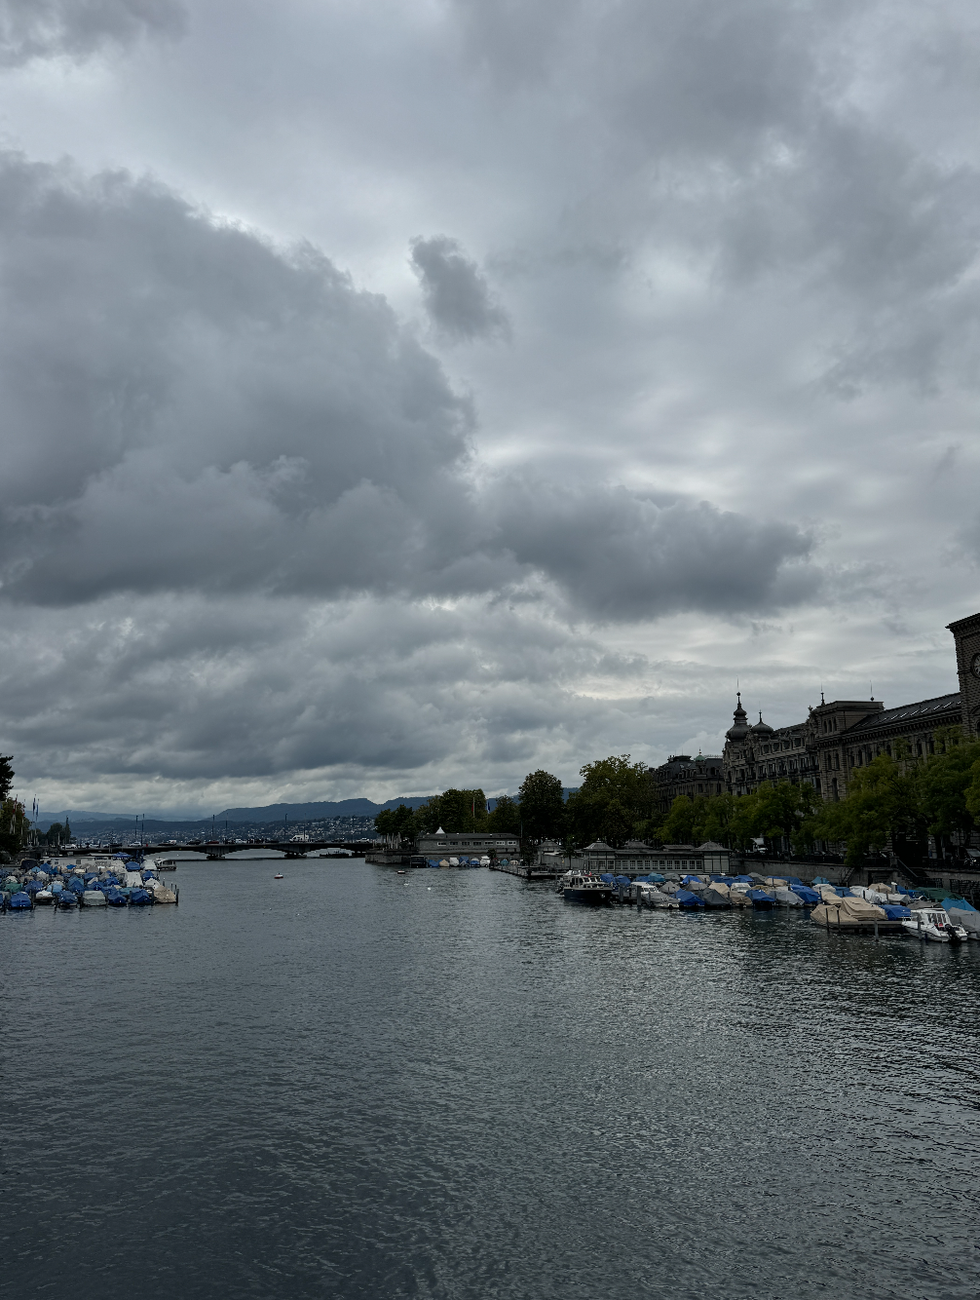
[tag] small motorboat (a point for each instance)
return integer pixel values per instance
(578, 887)
(934, 923)
(651, 896)
(278, 876)
(399, 872)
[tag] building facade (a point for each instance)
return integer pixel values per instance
(682, 774)
(833, 741)
(440, 844)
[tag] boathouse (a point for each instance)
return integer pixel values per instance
(440, 844)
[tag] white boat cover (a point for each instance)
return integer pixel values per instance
(93, 898)
(787, 897)
(133, 880)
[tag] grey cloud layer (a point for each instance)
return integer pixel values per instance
(736, 242)
(35, 29)
(187, 407)
(457, 296)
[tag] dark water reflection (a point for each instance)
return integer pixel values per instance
(450, 1084)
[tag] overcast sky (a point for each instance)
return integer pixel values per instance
(419, 393)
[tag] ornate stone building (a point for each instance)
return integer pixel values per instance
(682, 774)
(834, 740)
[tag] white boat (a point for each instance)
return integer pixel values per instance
(933, 923)
(648, 895)
(93, 898)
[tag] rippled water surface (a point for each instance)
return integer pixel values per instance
(452, 1084)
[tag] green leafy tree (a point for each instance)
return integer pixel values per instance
(55, 834)
(396, 823)
(542, 807)
(6, 775)
(882, 803)
(14, 826)
(612, 803)
(506, 817)
(949, 787)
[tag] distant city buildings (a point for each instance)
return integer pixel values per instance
(834, 740)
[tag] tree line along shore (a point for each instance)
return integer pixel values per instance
(898, 801)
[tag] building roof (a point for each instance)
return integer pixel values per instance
(923, 710)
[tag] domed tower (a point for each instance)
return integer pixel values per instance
(740, 726)
(734, 752)
(761, 729)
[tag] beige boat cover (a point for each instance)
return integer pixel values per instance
(721, 888)
(161, 894)
(775, 880)
(827, 893)
(848, 911)
(739, 898)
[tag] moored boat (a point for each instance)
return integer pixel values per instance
(578, 887)
(933, 923)
(762, 900)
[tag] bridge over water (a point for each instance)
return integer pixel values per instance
(216, 849)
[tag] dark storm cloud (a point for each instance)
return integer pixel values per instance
(32, 29)
(621, 556)
(457, 296)
(189, 408)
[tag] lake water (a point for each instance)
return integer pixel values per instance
(350, 1083)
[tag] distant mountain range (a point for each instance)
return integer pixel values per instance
(320, 811)
(323, 810)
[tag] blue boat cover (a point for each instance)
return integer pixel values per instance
(896, 913)
(140, 897)
(820, 880)
(622, 880)
(687, 899)
(607, 877)
(19, 900)
(960, 903)
(762, 895)
(742, 880)
(76, 886)
(806, 893)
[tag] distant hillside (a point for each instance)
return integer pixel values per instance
(323, 810)
(317, 811)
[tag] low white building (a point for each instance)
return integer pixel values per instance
(441, 844)
(636, 859)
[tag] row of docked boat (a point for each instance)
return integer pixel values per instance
(882, 909)
(119, 883)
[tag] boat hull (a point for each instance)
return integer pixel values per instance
(595, 897)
